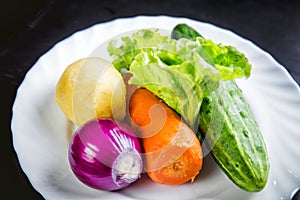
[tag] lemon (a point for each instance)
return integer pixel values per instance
(91, 88)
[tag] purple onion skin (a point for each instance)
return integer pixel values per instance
(94, 149)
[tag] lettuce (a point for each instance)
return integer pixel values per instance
(181, 72)
(227, 60)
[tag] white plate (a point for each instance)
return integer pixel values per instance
(40, 130)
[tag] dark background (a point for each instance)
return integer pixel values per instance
(29, 28)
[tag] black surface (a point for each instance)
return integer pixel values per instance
(29, 28)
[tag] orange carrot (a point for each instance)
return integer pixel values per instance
(172, 152)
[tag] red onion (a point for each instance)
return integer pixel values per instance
(105, 154)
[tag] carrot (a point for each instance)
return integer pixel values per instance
(172, 152)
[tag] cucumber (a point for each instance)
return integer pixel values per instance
(232, 135)
(228, 129)
(184, 31)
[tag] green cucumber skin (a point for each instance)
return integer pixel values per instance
(231, 132)
(184, 31)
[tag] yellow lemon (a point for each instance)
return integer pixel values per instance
(89, 88)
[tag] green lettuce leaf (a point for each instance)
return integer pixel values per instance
(181, 86)
(227, 60)
(180, 72)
